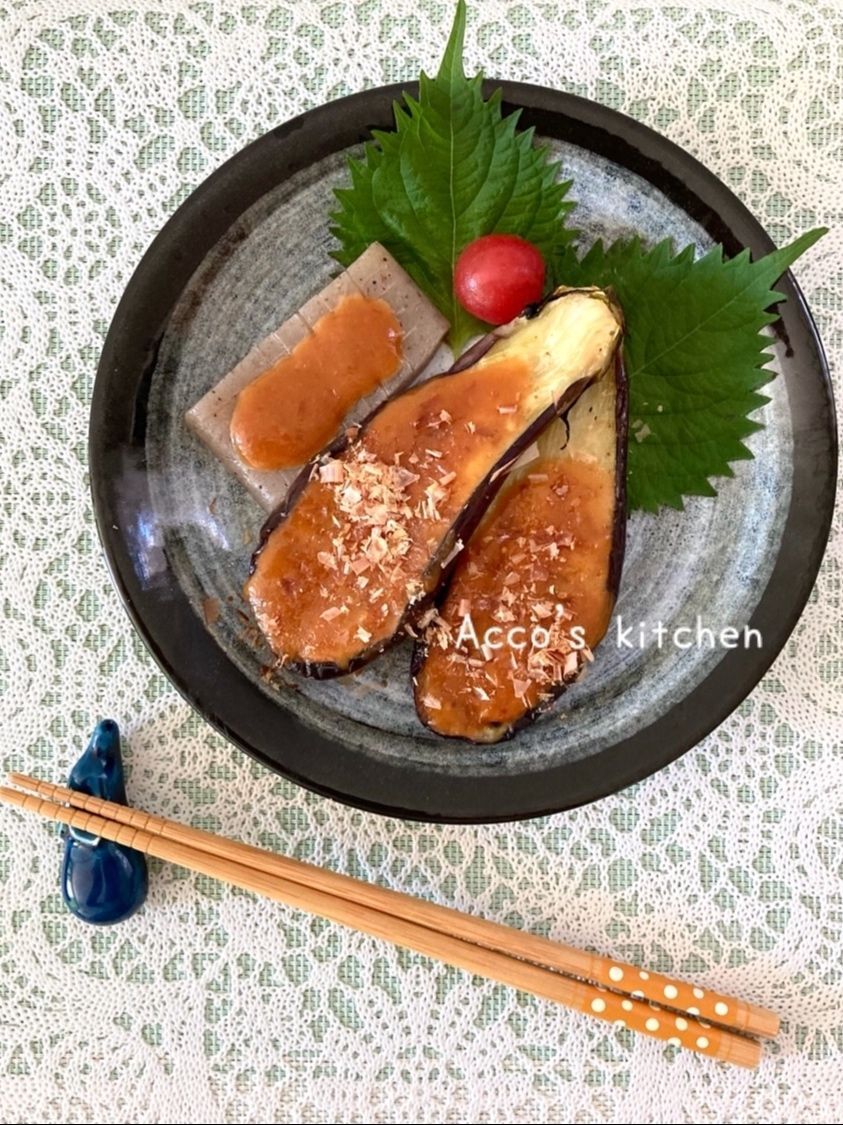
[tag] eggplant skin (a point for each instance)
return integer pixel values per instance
(436, 576)
(504, 732)
(621, 456)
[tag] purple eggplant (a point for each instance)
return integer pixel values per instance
(533, 592)
(372, 527)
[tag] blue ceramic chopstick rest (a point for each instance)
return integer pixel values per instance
(101, 882)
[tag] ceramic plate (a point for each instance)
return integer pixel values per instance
(237, 258)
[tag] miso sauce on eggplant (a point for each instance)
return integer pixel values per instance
(373, 525)
(533, 592)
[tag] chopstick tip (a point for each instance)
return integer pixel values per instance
(13, 796)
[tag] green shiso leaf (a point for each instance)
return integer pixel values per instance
(696, 357)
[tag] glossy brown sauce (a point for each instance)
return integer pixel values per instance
(291, 411)
(546, 543)
(335, 577)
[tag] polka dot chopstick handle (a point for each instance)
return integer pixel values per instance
(674, 1028)
(688, 999)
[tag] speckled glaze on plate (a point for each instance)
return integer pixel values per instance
(245, 251)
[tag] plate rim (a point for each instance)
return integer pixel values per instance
(117, 429)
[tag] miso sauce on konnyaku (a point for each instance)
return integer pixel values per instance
(293, 409)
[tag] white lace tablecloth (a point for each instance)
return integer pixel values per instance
(211, 1005)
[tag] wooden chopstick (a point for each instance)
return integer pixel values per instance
(619, 976)
(680, 1030)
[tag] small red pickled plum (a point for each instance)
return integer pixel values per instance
(497, 276)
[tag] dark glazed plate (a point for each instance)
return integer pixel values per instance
(243, 252)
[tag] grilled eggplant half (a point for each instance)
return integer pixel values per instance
(534, 590)
(372, 526)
